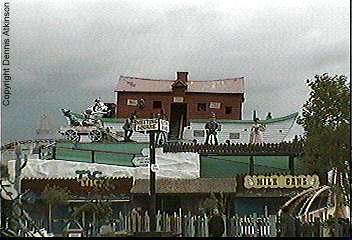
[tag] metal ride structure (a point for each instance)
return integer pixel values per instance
(303, 207)
(18, 223)
(91, 125)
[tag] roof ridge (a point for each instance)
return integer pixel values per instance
(149, 79)
(193, 80)
(223, 79)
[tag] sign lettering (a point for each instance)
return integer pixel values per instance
(94, 179)
(287, 181)
(153, 124)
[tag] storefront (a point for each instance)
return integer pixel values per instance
(84, 199)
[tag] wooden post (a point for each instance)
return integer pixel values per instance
(93, 160)
(291, 164)
(94, 230)
(152, 182)
(251, 165)
(49, 218)
(54, 152)
(83, 219)
(40, 152)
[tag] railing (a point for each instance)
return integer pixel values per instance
(197, 226)
(90, 155)
(284, 148)
(13, 144)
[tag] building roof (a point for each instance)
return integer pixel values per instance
(199, 185)
(115, 185)
(133, 84)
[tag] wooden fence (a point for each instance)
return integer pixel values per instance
(283, 148)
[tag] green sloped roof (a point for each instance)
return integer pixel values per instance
(229, 166)
(117, 154)
(279, 119)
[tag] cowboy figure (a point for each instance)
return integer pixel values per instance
(161, 136)
(90, 114)
(211, 128)
(128, 127)
(256, 135)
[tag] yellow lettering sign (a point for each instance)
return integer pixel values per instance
(287, 181)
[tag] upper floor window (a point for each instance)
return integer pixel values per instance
(228, 110)
(156, 104)
(202, 107)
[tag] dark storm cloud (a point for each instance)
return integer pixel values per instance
(66, 53)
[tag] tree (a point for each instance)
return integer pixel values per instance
(326, 122)
(216, 200)
(102, 211)
(54, 196)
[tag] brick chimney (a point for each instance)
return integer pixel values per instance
(182, 76)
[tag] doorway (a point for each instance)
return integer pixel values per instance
(178, 120)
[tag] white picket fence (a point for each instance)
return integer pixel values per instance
(197, 226)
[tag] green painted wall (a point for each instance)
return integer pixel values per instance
(123, 152)
(229, 166)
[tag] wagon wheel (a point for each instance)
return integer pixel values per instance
(72, 135)
(100, 123)
(95, 135)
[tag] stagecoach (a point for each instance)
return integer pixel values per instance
(74, 133)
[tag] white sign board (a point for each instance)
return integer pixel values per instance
(153, 124)
(215, 105)
(141, 161)
(146, 125)
(178, 99)
(78, 234)
(154, 167)
(132, 102)
(164, 125)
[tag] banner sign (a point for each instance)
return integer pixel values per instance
(153, 124)
(93, 180)
(287, 181)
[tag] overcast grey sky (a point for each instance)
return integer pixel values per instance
(66, 53)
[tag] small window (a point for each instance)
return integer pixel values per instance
(234, 135)
(198, 133)
(245, 129)
(156, 104)
(228, 110)
(280, 131)
(202, 107)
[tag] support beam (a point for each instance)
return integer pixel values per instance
(152, 182)
(251, 165)
(291, 165)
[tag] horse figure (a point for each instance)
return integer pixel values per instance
(71, 119)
